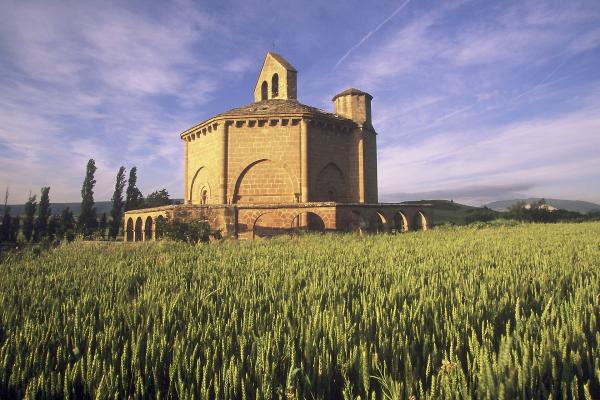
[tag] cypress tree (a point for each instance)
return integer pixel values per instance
(134, 197)
(14, 228)
(29, 217)
(44, 211)
(87, 216)
(6, 228)
(53, 226)
(67, 223)
(116, 212)
(102, 225)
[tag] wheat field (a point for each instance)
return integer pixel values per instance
(484, 312)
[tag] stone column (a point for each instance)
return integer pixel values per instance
(304, 161)
(224, 160)
(361, 165)
(187, 198)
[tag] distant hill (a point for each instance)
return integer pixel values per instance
(569, 205)
(456, 213)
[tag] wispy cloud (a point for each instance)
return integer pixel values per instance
(73, 92)
(536, 152)
(370, 33)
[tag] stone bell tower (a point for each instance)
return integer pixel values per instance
(355, 104)
(277, 79)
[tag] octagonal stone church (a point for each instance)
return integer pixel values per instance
(277, 165)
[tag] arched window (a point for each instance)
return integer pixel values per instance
(275, 86)
(264, 91)
(204, 196)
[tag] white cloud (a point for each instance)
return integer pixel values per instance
(86, 81)
(539, 151)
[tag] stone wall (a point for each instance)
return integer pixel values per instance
(264, 161)
(203, 160)
(264, 220)
(330, 162)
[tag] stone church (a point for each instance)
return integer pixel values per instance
(277, 165)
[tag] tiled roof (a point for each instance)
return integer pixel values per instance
(351, 91)
(278, 107)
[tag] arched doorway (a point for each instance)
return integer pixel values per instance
(307, 222)
(138, 229)
(129, 230)
(420, 221)
(148, 229)
(400, 222)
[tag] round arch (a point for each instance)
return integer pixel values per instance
(268, 224)
(129, 230)
(138, 229)
(199, 181)
(357, 222)
(307, 222)
(400, 222)
(275, 86)
(250, 162)
(255, 178)
(378, 222)
(148, 228)
(330, 184)
(420, 221)
(264, 91)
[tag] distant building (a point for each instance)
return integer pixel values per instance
(544, 206)
(277, 164)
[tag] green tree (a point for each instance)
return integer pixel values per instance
(44, 212)
(66, 224)
(518, 211)
(87, 218)
(29, 217)
(102, 225)
(134, 198)
(6, 228)
(157, 198)
(14, 228)
(116, 213)
(53, 226)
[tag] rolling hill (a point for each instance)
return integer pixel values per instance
(569, 205)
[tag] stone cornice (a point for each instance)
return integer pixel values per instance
(212, 123)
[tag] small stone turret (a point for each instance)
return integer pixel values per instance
(277, 79)
(354, 104)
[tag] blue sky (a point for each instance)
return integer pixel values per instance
(473, 100)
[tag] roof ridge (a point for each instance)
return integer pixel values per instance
(285, 63)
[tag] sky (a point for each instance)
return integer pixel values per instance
(474, 101)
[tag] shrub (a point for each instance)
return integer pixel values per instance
(184, 231)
